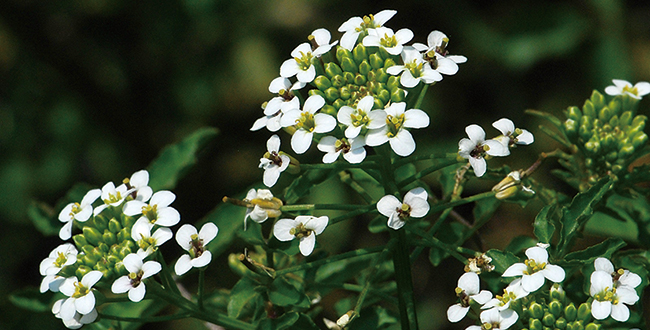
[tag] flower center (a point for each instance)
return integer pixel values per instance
(80, 290)
(76, 208)
(306, 121)
(404, 211)
(113, 198)
(197, 248)
(607, 295)
(60, 260)
(136, 278)
(151, 212)
(533, 266)
(464, 298)
(479, 151)
(415, 67)
(430, 57)
(360, 118)
(394, 124)
(286, 95)
(300, 231)
(304, 61)
(342, 145)
(388, 41)
(442, 49)
(631, 90)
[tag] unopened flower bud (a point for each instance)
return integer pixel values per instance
(548, 319)
(597, 99)
(92, 235)
(398, 95)
(592, 326)
(615, 106)
(381, 76)
(584, 312)
(114, 226)
(388, 63)
(557, 293)
(108, 237)
(360, 79)
(605, 114)
(348, 78)
(376, 61)
(322, 83)
(364, 67)
(347, 64)
(79, 240)
(359, 53)
(574, 113)
(342, 53)
(331, 94)
(560, 323)
(535, 324)
(535, 310)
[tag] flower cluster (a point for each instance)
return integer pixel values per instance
(115, 240)
(356, 87)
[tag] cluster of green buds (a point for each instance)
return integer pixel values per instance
(557, 313)
(361, 72)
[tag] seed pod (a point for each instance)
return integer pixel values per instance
(332, 69)
(322, 83)
(359, 53)
(348, 65)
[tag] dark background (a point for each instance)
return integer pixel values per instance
(91, 90)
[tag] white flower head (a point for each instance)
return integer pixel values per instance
(512, 292)
(415, 69)
(303, 227)
(77, 211)
(194, 242)
(511, 135)
(437, 44)
(620, 277)
(139, 183)
(622, 87)
(392, 42)
(51, 283)
(273, 161)
(81, 296)
(133, 282)
(468, 289)
(415, 206)
(157, 211)
(61, 256)
(497, 319)
(476, 148)
(320, 39)
(112, 196)
(400, 139)
(361, 118)
(285, 100)
(608, 299)
(148, 243)
(353, 149)
(307, 122)
(271, 122)
(535, 270)
(262, 206)
(78, 320)
(300, 65)
(355, 26)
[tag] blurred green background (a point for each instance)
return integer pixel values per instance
(91, 90)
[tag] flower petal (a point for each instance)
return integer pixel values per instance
(307, 244)
(456, 312)
(208, 232)
(183, 265)
(282, 229)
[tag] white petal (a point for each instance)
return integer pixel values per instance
(600, 310)
(446, 66)
(273, 143)
(554, 273)
(184, 236)
(418, 192)
(317, 224)
(150, 268)
(383, 16)
(85, 304)
(132, 263)
(470, 283)
(642, 88)
(479, 165)
(208, 232)
(162, 235)
(314, 103)
(603, 264)
(496, 148)
(308, 75)
(324, 123)
(301, 141)
(68, 309)
(271, 176)
(121, 285)
(407, 80)
(168, 217)
(307, 244)
(508, 318)
(419, 207)
(289, 68)
(505, 126)
(540, 255)
(533, 282)
(352, 131)
(162, 198)
(183, 265)
(630, 279)
(133, 207)
(90, 279)
(416, 118)
(377, 137)
(525, 137)
(475, 133)
(516, 269)
(202, 260)
(344, 115)
(435, 38)
(282, 228)
(388, 205)
(600, 281)
(355, 155)
(403, 143)
(620, 312)
(137, 294)
(395, 69)
(456, 312)
(377, 119)
(331, 157)
(395, 222)
(66, 231)
(349, 39)
(92, 195)
(279, 84)
(482, 297)
(259, 123)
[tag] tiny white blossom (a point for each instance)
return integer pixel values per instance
(475, 148)
(437, 44)
(77, 211)
(622, 87)
(271, 122)
(511, 135)
(139, 183)
(621, 277)
(300, 65)
(535, 270)
(361, 118)
(148, 243)
(468, 289)
(78, 320)
(52, 283)
(61, 256)
(415, 205)
(307, 122)
(273, 161)
(512, 292)
(157, 211)
(400, 139)
(133, 282)
(81, 296)
(392, 42)
(354, 26)
(263, 206)
(415, 69)
(608, 299)
(303, 227)
(112, 196)
(353, 150)
(194, 242)
(496, 319)
(285, 100)
(321, 38)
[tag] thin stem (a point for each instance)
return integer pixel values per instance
(317, 263)
(150, 319)
(423, 92)
(359, 211)
(442, 206)
(201, 289)
(403, 277)
(346, 177)
(415, 158)
(427, 171)
(166, 275)
(309, 207)
(337, 165)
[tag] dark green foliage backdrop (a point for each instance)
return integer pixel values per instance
(92, 90)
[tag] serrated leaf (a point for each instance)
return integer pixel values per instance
(244, 298)
(501, 259)
(176, 159)
(543, 226)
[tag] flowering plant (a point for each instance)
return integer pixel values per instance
(361, 98)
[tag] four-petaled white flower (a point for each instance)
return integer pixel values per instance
(400, 139)
(78, 320)
(157, 211)
(608, 299)
(194, 242)
(133, 282)
(622, 87)
(307, 122)
(77, 211)
(363, 117)
(535, 270)
(271, 122)
(321, 40)
(139, 183)
(392, 42)
(353, 149)
(285, 100)
(469, 288)
(300, 65)
(496, 319)
(81, 296)
(303, 227)
(511, 135)
(112, 196)
(273, 161)
(475, 148)
(512, 292)
(415, 68)
(263, 205)
(437, 44)
(415, 206)
(354, 26)
(621, 277)
(148, 243)
(63, 255)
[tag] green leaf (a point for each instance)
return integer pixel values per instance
(176, 159)
(604, 249)
(301, 186)
(304, 323)
(546, 116)
(43, 218)
(280, 323)
(447, 233)
(283, 293)
(244, 298)
(576, 215)
(519, 244)
(228, 218)
(543, 225)
(375, 317)
(32, 299)
(342, 270)
(485, 208)
(502, 260)
(253, 234)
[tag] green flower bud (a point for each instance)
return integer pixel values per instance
(384, 96)
(560, 323)
(625, 119)
(555, 307)
(611, 156)
(337, 81)
(548, 319)
(573, 113)
(376, 61)
(88, 260)
(347, 64)
(639, 120)
(578, 325)
(114, 226)
(338, 104)
(364, 67)
(332, 69)
(589, 162)
(92, 235)
(381, 76)
(614, 121)
(588, 109)
(615, 106)
(584, 312)
(535, 310)
(597, 99)
(124, 251)
(124, 234)
(535, 324)
(82, 270)
(79, 240)
(109, 238)
(104, 248)
(345, 93)
(398, 95)
(127, 221)
(605, 114)
(360, 80)
(593, 145)
(322, 83)
(626, 151)
(388, 63)
(331, 94)
(571, 128)
(349, 77)
(378, 104)
(359, 53)
(392, 83)
(342, 53)
(639, 139)
(592, 326)
(328, 109)
(100, 223)
(617, 168)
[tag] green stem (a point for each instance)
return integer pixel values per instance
(427, 171)
(346, 177)
(150, 319)
(337, 165)
(359, 211)
(402, 266)
(201, 288)
(423, 92)
(442, 206)
(317, 263)
(418, 249)
(166, 275)
(416, 158)
(309, 207)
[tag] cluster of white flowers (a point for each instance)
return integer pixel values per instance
(362, 122)
(476, 148)
(130, 200)
(612, 290)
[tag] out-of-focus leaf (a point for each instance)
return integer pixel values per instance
(32, 299)
(282, 322)
(43, 218)
(176, 159)
(519, 244)
(341, 270)
(244, 298)
(282, 293)
(485, 208)
(304, 323)
(543, 226)
(252, 235)
(301, 186)
(448, 233)
(375, 317)
(603, 249)
(502, 260)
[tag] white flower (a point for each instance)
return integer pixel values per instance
(621, 277)
(78, 320)
(468, 289)
(321, 37)
(437, 43)
(300, 65)
(52, 283)
(112, 196)
(77, 211)
(535, 270)
(61, 256)
(273, 161)
(354, 26)
(475, 148)
(511, 135)
(140, 182)
(385, 38)
(133, 282)
(157, 211)
(400, 139)
(194, 243)
(262, 205)
(148, 243)
(622, 87)
(609, 300)
(512, 292)
(271, 122)
(415, 205)
(353, 150)
(304, 227)
(363, 117)
(415, 68)
(81, 296)
(496, 319)
(285, 100)
(307, 122)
